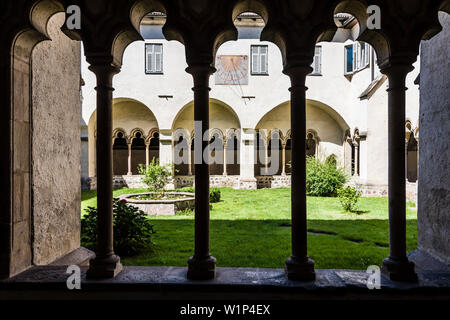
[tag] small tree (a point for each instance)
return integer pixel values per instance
(349, 197)
(156, 177)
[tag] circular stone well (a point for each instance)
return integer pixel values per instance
(161, 207)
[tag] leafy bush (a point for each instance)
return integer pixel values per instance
(323, 179)
(156, 177)
(349, 197)
(132, 229)
(214, 193)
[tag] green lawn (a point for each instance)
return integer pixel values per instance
(250, 228)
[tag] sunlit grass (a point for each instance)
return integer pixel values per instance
(251, 228)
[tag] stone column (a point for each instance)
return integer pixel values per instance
(283, 158)
(397, 265)
(299, 266)
(129, 160)
(190, 158)
(147, 153)
(166, 152)
(247, 178)
(356, 144)
(266, 159)
(201, 265)
(406, 158)
(105, 264)
(225, 157)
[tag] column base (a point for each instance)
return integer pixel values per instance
(201, 269)
(300, 269)
(399, 270)
(104, 267)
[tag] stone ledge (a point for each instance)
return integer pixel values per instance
(426, 261)
(231, 283)
(80, 257)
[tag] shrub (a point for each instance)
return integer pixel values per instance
(156, 177)
(323, 179)
(349, 197)
(132, 229)
(214, 193)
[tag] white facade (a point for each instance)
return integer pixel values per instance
(335, 111)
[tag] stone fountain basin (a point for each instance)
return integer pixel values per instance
(161, 207)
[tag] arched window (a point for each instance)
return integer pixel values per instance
(233, 156)
(137, 152)
(310, 145)
(120, 154)
(411, 159)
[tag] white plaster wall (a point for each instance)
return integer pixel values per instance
(336, 93)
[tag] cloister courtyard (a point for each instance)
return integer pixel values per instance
(247, 232)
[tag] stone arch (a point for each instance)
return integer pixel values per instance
(130, 116)
(117, 131)
(325, 121)
(222, 116)
(135, 132)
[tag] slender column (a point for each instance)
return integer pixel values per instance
(356, 159)
(283, 158)
(129, 160)
(190, 159)
(299, 266)
(202, 265)
(225, 158)
(105, 264)
(147, 153)
(406, 159)
(266, 159)
(397, 265)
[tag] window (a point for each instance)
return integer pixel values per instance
(357, 57)
(259, 60)
(317, 62)
(348, 59)
(153, 58)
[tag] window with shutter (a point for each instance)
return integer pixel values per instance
(348, 59)
(259, 54)
(154, 58)
(317, 62)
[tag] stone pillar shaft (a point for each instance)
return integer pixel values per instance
(147, 154)
(283, 158)
(298, 266)
(106, 264)
(225, 159)
(129, 159)
(190, 159)
(397, 265)
(202, 265)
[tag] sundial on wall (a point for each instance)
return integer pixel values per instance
(232, 69)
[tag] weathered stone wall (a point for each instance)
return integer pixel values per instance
(56, 145)
(434, 153)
